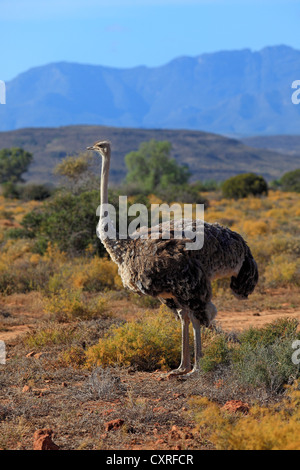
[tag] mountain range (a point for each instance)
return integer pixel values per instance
(235, 93)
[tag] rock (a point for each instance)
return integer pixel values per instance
(236, 406)
(42, 440)
(25, 389)
(114, 424)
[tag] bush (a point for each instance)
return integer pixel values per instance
(67, 220)
(13, 163)
(270, 367)
(71, 305)
(27, 192)
(215, 353)
(282, 270)
(244, 185)
(20, 273)
(11, 190)
(291, 181)
(96, 275)
(35, 192)
(52, 334)
(264, 356)
(147, 344)
(270, 428)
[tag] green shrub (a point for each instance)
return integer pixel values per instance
(264, 357)
(244, 185)
(11, 190)
(267, 335)
(269, 366)
(291, 181)
(67, 220)
(215, 353)
(35, 192)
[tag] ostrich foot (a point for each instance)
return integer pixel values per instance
(193, 373)
(179, 371)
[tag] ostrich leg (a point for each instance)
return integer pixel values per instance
(211, 312)
(185, 364)
(197, 347)
(197, 344)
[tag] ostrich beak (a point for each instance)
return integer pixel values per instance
(90, 148)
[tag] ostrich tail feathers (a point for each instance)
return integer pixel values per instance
(247, 278)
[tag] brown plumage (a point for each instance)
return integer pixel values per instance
(178, 277)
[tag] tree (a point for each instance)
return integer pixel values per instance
(76, 172)
(150, 167)
(13, 163)
(291, 181)
(244, 185)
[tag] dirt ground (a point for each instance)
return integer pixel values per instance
(21, 312)
(147, 410)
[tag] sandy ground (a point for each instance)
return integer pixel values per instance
(24, 318)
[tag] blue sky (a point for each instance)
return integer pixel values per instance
(129, 33)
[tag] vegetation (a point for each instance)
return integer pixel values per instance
(152, 169)
(13, 163)
(26, 192)
(244, 185)
(273, 428)
(67, 220)
(290, 181)
(76, 172)
(148, 343)
(95, 352)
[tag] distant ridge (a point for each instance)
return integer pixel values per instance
(209, 156)
(237, 93)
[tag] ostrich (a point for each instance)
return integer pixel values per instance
(178, 277)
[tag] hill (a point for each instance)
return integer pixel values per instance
(209, 156)
(238, 93)
(285, 144)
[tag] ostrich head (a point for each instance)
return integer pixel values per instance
(102, 147)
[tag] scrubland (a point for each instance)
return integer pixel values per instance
(82, 351)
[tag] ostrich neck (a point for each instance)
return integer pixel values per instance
(112, 245)
(104, 180)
